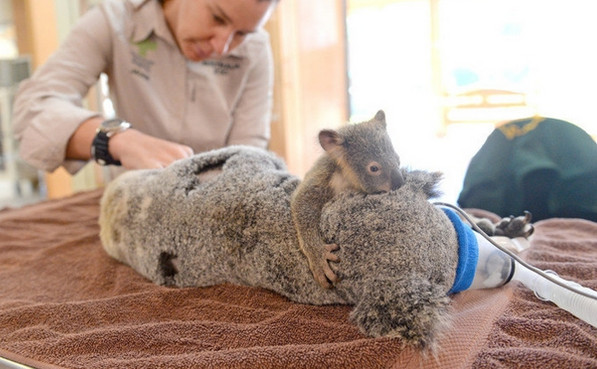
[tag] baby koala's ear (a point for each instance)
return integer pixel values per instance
(330, 139)
(381, 118)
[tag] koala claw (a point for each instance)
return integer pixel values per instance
(329, 255)
(322, 272)
(512, 226)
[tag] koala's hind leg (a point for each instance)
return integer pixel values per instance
(513, 227)
(414, 309)
(510, 227)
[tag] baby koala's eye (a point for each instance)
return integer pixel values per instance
(374, 168)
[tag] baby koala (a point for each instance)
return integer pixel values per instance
(358, 157)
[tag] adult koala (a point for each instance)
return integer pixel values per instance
(224, 216)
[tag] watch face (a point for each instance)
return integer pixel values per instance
(112, 126)
(112, 123)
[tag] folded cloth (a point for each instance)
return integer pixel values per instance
(468, 253)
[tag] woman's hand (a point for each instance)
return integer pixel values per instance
(134, 149)
(137, 150)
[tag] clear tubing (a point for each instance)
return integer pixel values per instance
(494, 267)
(582, 307)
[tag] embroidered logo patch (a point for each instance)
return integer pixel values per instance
(221, 66)
(512, 131)
(142, 65)
(145, 46)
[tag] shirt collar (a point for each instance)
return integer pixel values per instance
(148, 18)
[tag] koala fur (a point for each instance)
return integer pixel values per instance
(179, 226)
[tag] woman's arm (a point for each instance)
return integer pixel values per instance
(51, 123)
(133, 148)
(48, 107)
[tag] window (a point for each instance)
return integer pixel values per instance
(410, 56)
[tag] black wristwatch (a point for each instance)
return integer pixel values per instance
(99, 146)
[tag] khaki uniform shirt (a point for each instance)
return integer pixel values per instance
(204, 105)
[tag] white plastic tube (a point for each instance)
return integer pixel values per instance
(494, 267)
(582, 307)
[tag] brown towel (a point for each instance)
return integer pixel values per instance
(65, 303)
(536, 334)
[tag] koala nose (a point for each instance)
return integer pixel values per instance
(397, 179)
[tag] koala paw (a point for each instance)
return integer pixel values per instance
(513, 227)
(415, 310)
(320, 267)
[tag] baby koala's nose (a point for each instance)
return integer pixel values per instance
(397, 179)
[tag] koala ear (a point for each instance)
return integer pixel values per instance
(381, 118)
(330, 139)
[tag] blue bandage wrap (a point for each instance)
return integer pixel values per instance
(468, 253)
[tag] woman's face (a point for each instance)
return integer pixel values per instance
(208, 28)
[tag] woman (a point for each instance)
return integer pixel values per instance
(189, 76)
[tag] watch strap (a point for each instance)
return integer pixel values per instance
(99, 150)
